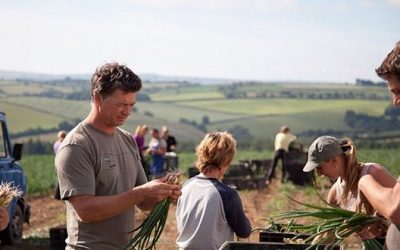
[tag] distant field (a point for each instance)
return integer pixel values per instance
(18, 88)
(172, 102)
(66, 109)
(287, 106)
(187, 93)
(176, 111)
(316, 88)
(42, 176)
(20, 118)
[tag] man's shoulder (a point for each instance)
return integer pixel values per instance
(124, 132)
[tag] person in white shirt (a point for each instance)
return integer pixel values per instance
(282, 141)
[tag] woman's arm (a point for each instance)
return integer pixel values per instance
(331, 199)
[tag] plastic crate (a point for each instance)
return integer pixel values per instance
(58, 235)
(266, 236)
(235, 245)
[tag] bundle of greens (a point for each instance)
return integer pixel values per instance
(331, 225)
(8, 192)
(150, 230)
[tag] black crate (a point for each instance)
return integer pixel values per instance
(266, 236)
(58, 235)
(245, 183)
(192, 171)
(234, 245)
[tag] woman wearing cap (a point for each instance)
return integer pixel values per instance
(337, 159)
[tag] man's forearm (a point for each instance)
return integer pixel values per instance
(386, 200)
(94, 208)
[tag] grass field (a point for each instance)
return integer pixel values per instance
(41, 173)
(23, 117)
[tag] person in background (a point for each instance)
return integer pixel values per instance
(171, 158)
(281, 145)
(139, 136)
(56, 146)
(157, 149)
(4, 219)
(337, 160)
(386, 198)
(99, 170)
(209, 212)
(60, 137)
(171, 141)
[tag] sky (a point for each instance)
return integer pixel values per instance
(268, 40)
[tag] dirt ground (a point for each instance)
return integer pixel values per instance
(46, 213)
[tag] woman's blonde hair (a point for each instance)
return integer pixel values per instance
(141, 129)
(138, 128)
(216, 150)
(352, 174)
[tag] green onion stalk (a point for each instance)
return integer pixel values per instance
(149, 232)
(7, 193)
(331, 224)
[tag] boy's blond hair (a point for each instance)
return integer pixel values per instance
(215, 151)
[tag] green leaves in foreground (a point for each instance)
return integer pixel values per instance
(151, 228)
(331, 225)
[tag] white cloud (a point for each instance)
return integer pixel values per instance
(394, 2)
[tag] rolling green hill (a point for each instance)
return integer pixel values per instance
(171, 104)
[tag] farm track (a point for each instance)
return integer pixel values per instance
(48, 212)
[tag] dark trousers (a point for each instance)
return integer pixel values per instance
(145, 166)
(278, 154)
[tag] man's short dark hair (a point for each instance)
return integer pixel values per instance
(111, 76)
(390, 67)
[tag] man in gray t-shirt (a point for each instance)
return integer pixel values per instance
(99, 170)
(386, 199)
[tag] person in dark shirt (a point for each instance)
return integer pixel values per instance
(171, 141)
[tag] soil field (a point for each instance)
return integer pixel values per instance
(48, 212)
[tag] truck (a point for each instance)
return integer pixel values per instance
(12, 172)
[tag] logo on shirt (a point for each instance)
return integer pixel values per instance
(107, 162)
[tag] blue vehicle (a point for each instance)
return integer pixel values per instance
(11, 171)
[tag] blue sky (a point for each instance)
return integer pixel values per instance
(330, 41)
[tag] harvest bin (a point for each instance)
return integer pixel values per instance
(58, 235)
(235, 245)
(278, 237)
(266, 236)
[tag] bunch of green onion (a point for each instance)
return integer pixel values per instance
(149, 232)
(331, 224)
(8, 192)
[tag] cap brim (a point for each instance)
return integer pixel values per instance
(310, 165)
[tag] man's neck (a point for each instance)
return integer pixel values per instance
(94, 121)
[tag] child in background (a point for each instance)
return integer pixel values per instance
(209, 212)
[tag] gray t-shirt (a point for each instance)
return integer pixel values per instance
(91, 162)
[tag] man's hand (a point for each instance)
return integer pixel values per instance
(3, 218)
(157, 190)
(372, 231)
